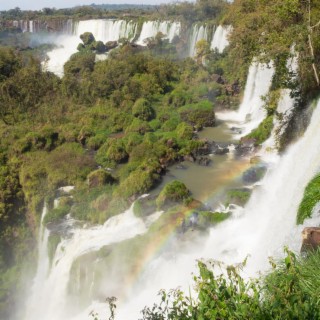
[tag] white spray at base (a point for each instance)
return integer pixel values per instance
(251, 112)
(49, 300)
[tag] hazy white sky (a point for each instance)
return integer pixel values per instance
(39, 4)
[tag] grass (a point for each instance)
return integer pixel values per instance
(310, 198)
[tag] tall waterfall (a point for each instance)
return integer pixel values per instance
(220, 38)
(151, 28)
(198, 32)
(42, 267)
(268, 220)
(51, 296)
(251, 112)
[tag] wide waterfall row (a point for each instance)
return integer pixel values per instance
(107, 30)
(113, 30)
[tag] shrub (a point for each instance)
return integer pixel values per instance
(117, 151)
(99, 178)
(139, 126)
(199, 114)
(142, 110)
(262, 133)
(238, 196)
(56, 214)
(173, 192)
(87, 38)
(184, 131)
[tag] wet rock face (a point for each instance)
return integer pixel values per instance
(254, 174)
(310, 239)
(219, 148)
(245, 148)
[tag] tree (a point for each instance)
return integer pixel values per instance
(202, 50)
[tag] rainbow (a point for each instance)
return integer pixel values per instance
(169, 226)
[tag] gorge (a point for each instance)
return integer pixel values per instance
(183, 155)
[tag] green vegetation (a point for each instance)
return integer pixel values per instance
(289, 291)
(111, 128)
(238, 196)
(310, 198)
(262, 133)
(173, 192)
(208, 218)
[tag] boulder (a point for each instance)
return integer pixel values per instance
(310, 239)
(245, 147)
(111, 45)
(204, 161)
(219, 148)
(254, 174)
(189, 157)
(236, 130)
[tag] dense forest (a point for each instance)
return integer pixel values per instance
(112, 128)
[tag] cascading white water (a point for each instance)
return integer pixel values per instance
(220, 38)
(269, 218)
(198, 32)
(251, 112)
(152, 28)
(107, 30)
(51, 297)
(42, 265)
(31, 26)
(102, 30)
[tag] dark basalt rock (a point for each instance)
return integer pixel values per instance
(254, 174)
(236, 130)
(111, 45)
(245, 148)
(218, 148)
(310, 239)
(189, 157)
(204, 161)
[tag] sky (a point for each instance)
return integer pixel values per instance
(39, 4)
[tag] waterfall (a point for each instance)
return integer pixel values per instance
(268, 220)
(151, 28)
(42, 266)
(220, 38)
(107, 30)
(51, 296)
(31, 26)
(198, 32)
(251, 112)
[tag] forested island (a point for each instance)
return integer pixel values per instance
(137, 152)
